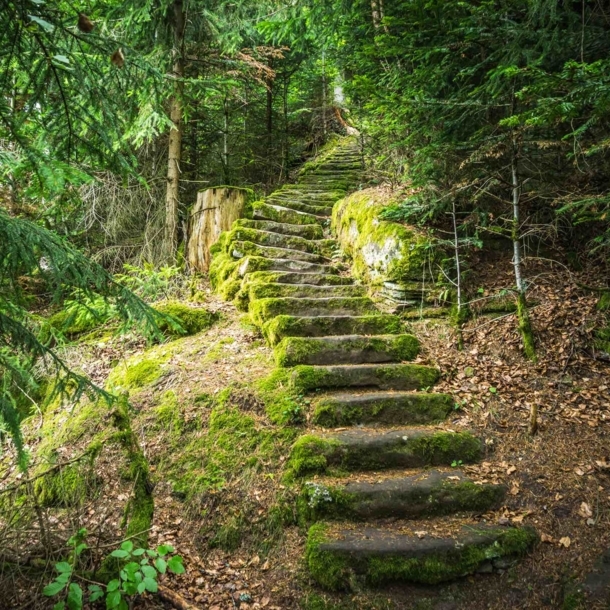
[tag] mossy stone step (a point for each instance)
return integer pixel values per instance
(312, 231)
(280, 240)
(427, 494)
(339, 559)
(406, 408)
(293, 204)
(249, 264)
(300, 190)
(239, 249)
(345, 349)
(372, 449)
(296, 277)
(263, 310)
(272, 290)
(323, 326)
(265, 211)
(383, 376)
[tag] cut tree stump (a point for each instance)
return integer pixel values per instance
(215, 211)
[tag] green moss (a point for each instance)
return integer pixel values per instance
(329, 569)
(310, 454)
(604, 302)
(292, 326)
(264, 210)
(136, 372)
(292, 351)
(337, 571)
(190, 320)
(66, 487)
(417, 408)
(307, 378)
(314, 454)
(380, 250)
(318, 501)
(221, 269)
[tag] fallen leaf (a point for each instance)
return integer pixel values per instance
(585, 510)
(565, 541)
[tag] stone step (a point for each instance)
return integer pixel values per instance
(423, 495)
(341, 558)
(293, 204)
(316, 187)
(268, 290)
(240, 249)
(324, 196)
(324, 326)
(370, 449)
(263, 310)
(345, 349)
(250, 264)
(394, 408)
(265, 211)
(383, 376)
(304, 231)
(280, 240)
(295, 277)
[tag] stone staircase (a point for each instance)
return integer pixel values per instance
(382, 488)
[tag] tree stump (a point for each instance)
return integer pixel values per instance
(214, 212)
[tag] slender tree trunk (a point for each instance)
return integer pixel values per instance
(172, 198)
(324, 94)
(225, 142)
(525, 326)
(458, 280)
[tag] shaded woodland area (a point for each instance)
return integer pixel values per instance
(412, 233)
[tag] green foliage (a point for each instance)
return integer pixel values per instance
(139, 572)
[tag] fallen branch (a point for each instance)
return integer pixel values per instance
(175, 599)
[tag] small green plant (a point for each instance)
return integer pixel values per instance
(153, 284)
(458, 405)
(493, 390)
(456, 463)
(139, 572)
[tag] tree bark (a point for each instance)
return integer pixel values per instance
(172, 198)
(525, 326)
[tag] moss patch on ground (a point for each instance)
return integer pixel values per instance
(188, 320)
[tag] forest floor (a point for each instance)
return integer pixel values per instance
(231, 520)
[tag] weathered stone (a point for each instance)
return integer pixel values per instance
(427, 494)
(263, 310)
(346, 349)
(321, 326)
(300, 206)
(382, 376)
(265, 290)
(239, 249)
(296, 277)
(337, 558)
(381, 408)
(249, 264)
(305, 231)
(363, 449)
(265, 211)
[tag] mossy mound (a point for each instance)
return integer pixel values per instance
(140, 371)
(381, 251)
(187, 320)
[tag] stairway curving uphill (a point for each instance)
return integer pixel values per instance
(380, 483)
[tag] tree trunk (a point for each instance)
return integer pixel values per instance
(525, 326)
(459, 318)
(172, 198)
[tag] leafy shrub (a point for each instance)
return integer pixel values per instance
(138, 574)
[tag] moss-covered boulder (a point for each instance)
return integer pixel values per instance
(381, 251)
